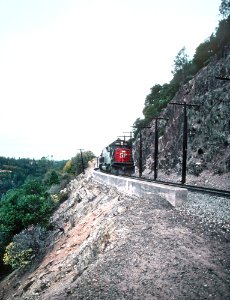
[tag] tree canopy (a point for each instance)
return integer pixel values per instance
(184, 69)
(224, 8)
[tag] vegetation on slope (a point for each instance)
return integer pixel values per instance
(185, 69)
(29, 195)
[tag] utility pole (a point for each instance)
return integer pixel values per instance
(124, 136)
(140, 155)
(82, 162)
(130, 134)
(156, 145)
(129, 137)
(140, 150)
(185, 139)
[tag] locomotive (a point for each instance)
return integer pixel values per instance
(117, 159)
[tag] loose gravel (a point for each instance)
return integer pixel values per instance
(212, 211)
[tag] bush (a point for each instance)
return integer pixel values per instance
(19, 208)
(16, 256)
(25, 246)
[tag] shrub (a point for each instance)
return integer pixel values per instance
(16, 256)
(25, 246)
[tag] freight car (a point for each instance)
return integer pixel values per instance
(117, 158)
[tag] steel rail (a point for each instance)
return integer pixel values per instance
(194, 188)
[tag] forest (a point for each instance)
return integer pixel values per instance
(13, 172)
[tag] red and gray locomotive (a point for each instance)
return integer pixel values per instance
(117, 159)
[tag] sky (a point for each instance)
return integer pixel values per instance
(74, 74)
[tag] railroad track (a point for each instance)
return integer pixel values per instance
(193, 188)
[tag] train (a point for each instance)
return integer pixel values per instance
(117, 158)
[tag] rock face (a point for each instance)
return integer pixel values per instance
(114, 246)
(208, 125)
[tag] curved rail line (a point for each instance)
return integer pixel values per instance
(193, 188)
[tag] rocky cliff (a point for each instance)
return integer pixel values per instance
(208, 126)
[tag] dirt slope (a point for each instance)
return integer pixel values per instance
(121, 247)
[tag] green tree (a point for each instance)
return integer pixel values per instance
(222, 36)
(51, 177)
(30, 204)
(138, 124)
(202, 54)
(224, 8)
(180, 60)
(182, 67)
(158, 99)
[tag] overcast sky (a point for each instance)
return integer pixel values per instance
(75, 73)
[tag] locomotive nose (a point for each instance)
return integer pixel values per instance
(122, 155)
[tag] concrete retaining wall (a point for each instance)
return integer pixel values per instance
(176, 196)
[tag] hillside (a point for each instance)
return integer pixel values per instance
(208, 154)
(119, 247)
(103, 244)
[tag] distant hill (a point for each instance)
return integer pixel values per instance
(14, 172)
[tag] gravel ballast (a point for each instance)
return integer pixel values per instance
(212, 211)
